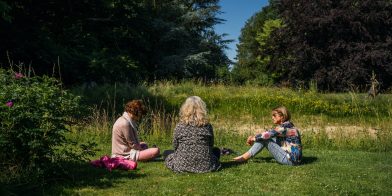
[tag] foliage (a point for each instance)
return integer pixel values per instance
(268, 27)
(4, 9)
(34, 113)
(107, 41)
(336, 44)
(329, 167)
(241, 100)
(337, 121)
(263, 39)
(250, 68)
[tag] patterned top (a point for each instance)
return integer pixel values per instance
(193, 150)
(288, 137)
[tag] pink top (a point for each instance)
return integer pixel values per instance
(124, 136)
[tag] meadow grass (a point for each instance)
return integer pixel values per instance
(323, 172)
(346, 138)
(334, 120)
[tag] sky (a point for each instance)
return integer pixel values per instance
(236, 13)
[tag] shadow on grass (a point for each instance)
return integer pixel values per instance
(85, 175)
(77, 176)
(308, 160)
(229, 164)
(305, 160)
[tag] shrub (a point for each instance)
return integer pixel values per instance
(34, 113)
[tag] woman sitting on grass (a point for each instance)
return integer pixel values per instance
(193, 140)
(125, 140)
(283, 142)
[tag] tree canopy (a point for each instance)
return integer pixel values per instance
(248, 67)
(336, 44)
(114, 40)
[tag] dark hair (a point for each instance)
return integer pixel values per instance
(135, 107)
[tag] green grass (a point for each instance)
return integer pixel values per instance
(323, 172)
(346, 137)
(223, 100)
(357, 122)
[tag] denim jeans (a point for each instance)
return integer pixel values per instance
(275, 150)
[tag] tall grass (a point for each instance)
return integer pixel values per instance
(338, 120)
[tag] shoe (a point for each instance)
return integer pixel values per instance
(167, 153)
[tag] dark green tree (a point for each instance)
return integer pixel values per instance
(114, 40)
(4, 9)
(337, 44)
(185, 44)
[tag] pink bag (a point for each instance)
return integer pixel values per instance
(114, 163)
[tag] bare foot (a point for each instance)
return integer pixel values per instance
(239, 159)
(242, 158)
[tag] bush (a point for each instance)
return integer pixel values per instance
(34, 113)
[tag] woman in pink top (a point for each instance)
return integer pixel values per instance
(125, 140)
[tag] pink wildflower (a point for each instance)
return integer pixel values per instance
(9, 104)
(18, 75)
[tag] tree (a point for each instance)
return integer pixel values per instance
(250, 67)
(114, 40)
(4, 11)
(185, 44)
(337, 44)
(263, 39)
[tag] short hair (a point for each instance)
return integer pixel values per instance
(135, 107)
(283, 111)
(194, 112)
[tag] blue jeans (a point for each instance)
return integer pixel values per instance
(275, 150)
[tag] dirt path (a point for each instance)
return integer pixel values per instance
(332, 131)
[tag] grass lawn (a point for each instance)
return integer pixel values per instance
(356, 131)
(362, 168)
(323, 173)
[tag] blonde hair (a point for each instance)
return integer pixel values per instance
(194, 112)
(282, 111)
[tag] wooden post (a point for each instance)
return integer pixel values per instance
(374, 86)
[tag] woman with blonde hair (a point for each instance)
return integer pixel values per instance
(193, 140)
